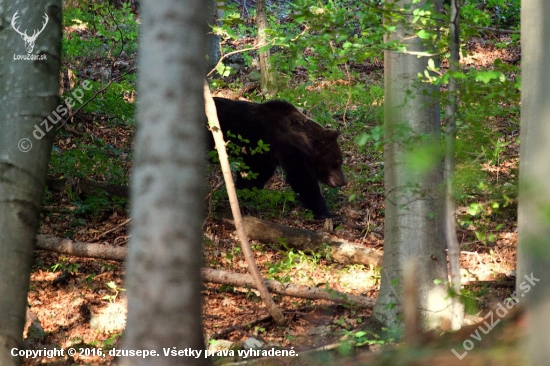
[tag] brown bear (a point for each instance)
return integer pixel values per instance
(307, 152)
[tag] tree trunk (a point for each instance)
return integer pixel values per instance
(414, 200)
(533, 257)
(29, 91)
(167, 189)
(268, 84)
(213, 40)
(451, 239)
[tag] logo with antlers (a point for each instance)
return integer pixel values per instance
(29, 40)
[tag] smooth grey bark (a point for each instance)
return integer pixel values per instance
(213, 40)
(167, 188)
(414, 195)
(451, 239)
(533, 256)
(268, 83)
(29, 93)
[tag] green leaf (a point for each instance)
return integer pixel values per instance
(362, 140)
(423, 34)
(487, 76)
(223, 70)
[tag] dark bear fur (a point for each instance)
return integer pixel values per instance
(306, 151)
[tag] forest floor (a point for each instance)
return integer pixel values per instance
(80, 303)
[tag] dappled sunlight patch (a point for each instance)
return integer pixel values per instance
(482, 54)
(110, 318)
(506, 167)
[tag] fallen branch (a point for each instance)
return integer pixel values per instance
(107, 252)
(343, 251)
(304, 292)
(114, 229)
(308, 241)
(80, 249)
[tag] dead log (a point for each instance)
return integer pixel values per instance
(107, 252)
(306, 240)
(305, 292)
(80, 249)
(264, 231)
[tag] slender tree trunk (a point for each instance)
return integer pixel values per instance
(414, 199)
(29, 91)
(165, 257)
(533, 257)
(213, 41)
(450, 149)
(268, 82)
